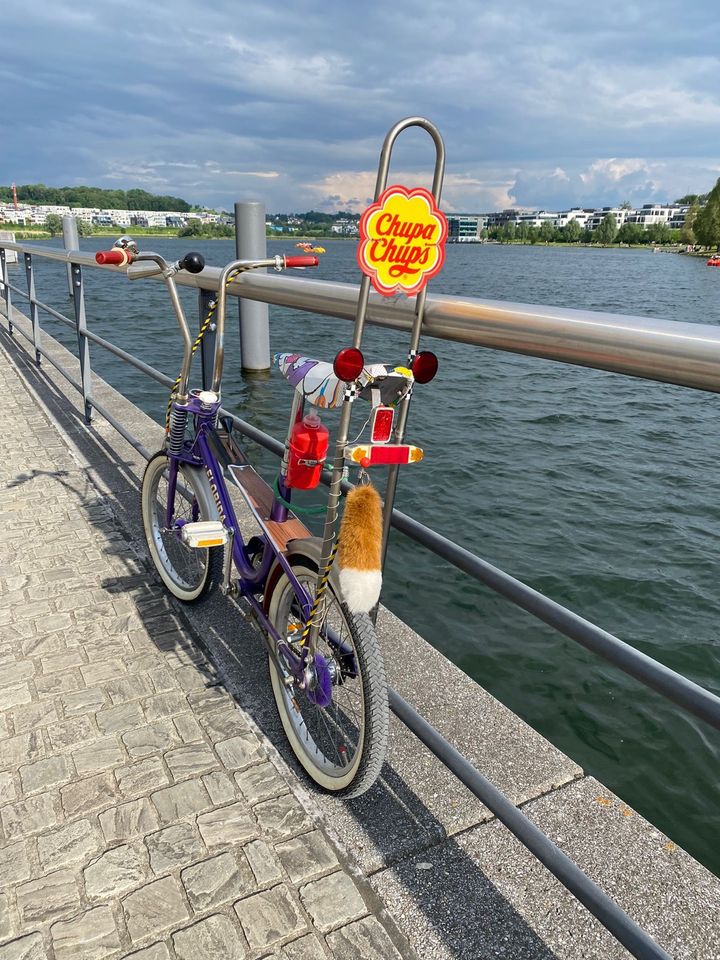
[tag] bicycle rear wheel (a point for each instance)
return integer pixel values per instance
(188, 573)
(342, 746)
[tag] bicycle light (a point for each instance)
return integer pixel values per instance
(348, 364)
(381, 425)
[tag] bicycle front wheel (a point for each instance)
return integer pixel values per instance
(342, 745)
(188, 573)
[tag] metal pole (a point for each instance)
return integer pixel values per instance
(5, 273)
(83, 345)
(71, 241)
(207, 344)
(250, 244)
(34, 315)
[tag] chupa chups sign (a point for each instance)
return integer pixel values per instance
(402, 240)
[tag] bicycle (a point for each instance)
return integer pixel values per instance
(326, 668)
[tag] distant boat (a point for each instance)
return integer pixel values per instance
(10, 255)
(714, 261)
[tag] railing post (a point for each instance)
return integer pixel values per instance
(250, 244)
(5, 276)
(71, 241)
(207, 344)
(34, 314)
(83, 345)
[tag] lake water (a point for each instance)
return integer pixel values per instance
(598, 490)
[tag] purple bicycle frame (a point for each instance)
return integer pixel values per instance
(251, 580)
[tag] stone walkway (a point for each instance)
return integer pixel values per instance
(140, 814)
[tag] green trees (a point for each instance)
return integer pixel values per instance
(53, 224)
(84, 228)
(93, 197)
(687, 233)
(547, 231)
(571, 231)
(195, 228)
(606, 229)
(631, 233)
(707, 222)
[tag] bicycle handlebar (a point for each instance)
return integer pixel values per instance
(301, 262)
(118, 257)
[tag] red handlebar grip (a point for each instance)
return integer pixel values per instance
(116, 257)
(301, 262)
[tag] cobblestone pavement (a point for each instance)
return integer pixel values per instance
(140, 814)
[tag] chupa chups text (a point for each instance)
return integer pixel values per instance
(402, 240)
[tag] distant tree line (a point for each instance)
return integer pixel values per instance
(93, 197)
(606, 232)
(195, 228)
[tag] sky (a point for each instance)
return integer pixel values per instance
(541, 104)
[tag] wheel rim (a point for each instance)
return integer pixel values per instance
(185, 565)
(332, 737)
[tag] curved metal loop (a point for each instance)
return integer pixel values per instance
(389, 143)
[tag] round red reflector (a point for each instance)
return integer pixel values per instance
(425, 366)
(348, 364)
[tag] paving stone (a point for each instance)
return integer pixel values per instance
(29, 816)
(14, 863)
(22, 749)
(142, 777)
(101, 755)
(158, 951)
(151, 739)
(33, 715)
(282, 817)
(306, 856)
(116, 872)
(55, 662)
(46, 773)
(175, 846)
(234, 823)
(308, 948)
(215, 938)
(155, 907)
(14, 695)
(54, 895)
(218, 880)
(364, 940)
(16, 671)
(94, 673)
(190, 761)
(129, 688)
(71, 843)
(164, 705)
(162, 679)
(214, 698)
(261, 783)
(240, 752)
(9, 920)
(55, 684)
(224, 724)
(7, 788)
(196, 677)
(82, 701)
(220, 787)
(120, 719)
(92, 793)
(70, 732)
(268, 918)
(264, 863)
(129, 820)
(188, 728)
(332, 901)
(91, 936)
(26, 948)
(180, 801)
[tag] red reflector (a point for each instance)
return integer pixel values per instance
(382, 422)
(425, 366)
(348, 364)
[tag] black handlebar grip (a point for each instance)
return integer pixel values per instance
(193, 262)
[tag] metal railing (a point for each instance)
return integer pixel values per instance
(681, 353)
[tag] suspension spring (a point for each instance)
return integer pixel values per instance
(176, 437)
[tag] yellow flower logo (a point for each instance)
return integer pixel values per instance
(402, 239)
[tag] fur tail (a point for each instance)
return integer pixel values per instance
(360, 550)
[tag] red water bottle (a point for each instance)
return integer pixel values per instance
(308, 449)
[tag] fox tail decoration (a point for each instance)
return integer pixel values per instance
(360, 549)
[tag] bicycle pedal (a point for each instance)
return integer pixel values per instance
(204, 533)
